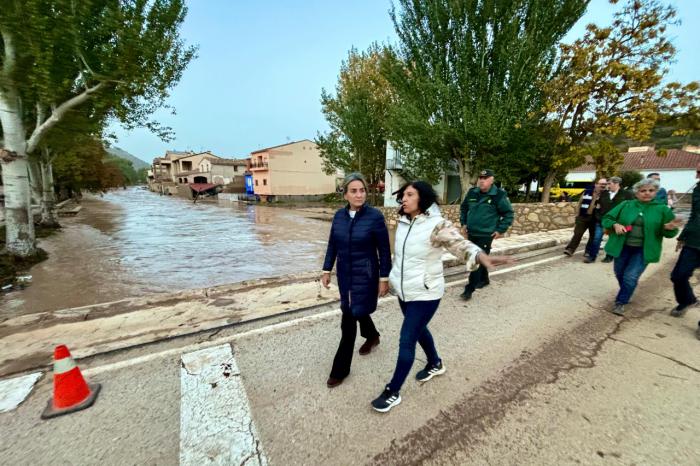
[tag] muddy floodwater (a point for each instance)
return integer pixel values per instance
(134, 242)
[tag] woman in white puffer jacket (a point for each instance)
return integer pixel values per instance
(416, 278)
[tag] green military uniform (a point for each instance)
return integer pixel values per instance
(484, 214)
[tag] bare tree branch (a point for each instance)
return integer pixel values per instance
(58, 113)
(40, 114)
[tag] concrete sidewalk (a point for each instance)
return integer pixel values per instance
(28, 340)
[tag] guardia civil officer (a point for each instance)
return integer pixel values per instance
(485, 214)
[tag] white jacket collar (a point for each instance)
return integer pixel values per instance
(433, 211)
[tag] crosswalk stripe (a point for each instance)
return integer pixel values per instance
(216, 426)
(15, 390)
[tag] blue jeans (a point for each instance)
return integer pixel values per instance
(416, 315)
(688, 261)
(593, 244)
(628, 266)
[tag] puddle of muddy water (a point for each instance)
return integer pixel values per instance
(134, 242)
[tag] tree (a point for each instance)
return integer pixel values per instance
(357, 116)
(126, 168)
(467, 73)
(55, 56)
(87, 166)
(609, 83)
(605, 155)
(629, 178)
(80, 127)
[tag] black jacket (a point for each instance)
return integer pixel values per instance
(691, 233)
(607, 204)
(361, 247)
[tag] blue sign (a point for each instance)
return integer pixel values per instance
(249, 184)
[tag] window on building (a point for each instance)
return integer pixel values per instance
(256, 182)
(264, 181)
(235, 168)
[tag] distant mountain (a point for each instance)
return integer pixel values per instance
(122, 154)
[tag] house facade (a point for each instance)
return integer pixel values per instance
(448, 187)
(294, 169)
(225, 172)
(163, 167)
(187, 168)
(169, 173)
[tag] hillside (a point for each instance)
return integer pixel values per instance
(122, 154)
(662, 138)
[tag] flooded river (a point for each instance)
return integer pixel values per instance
(134, 242)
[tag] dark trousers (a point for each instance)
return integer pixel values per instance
(416, 316)
(629, 266)
(348, 327)
(593, 245)
(480, 276)
(688, 261)
(582, 224)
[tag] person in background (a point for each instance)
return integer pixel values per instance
(586, 219)
(639, 227)
(689, 257)
(661, 194)
(672, 198)
(485, 215)
(417, 278)
(359, 240)
(610, 199)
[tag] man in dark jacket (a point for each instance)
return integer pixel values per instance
(485, 214)
(586, 220)
(609, 200)
(689, 258)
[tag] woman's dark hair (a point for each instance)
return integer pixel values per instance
(426, 195)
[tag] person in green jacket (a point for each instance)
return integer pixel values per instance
(485, 215)
(637, 229)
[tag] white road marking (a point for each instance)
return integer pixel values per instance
(278, 326)
(216, 426)
(14, 391)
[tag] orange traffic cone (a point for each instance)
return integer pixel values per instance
(70, 391)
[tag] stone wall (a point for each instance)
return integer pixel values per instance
(529, 218)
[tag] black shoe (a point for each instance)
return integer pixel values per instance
(608, 259)
(619, 309)
(367, 346)
(430, 371)
(333, 382)
(568, 252)
(681, 309)
(467, 295)
(589, 260)
(386, 401)
(483, 285)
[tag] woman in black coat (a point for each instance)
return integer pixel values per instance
(359, 241)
